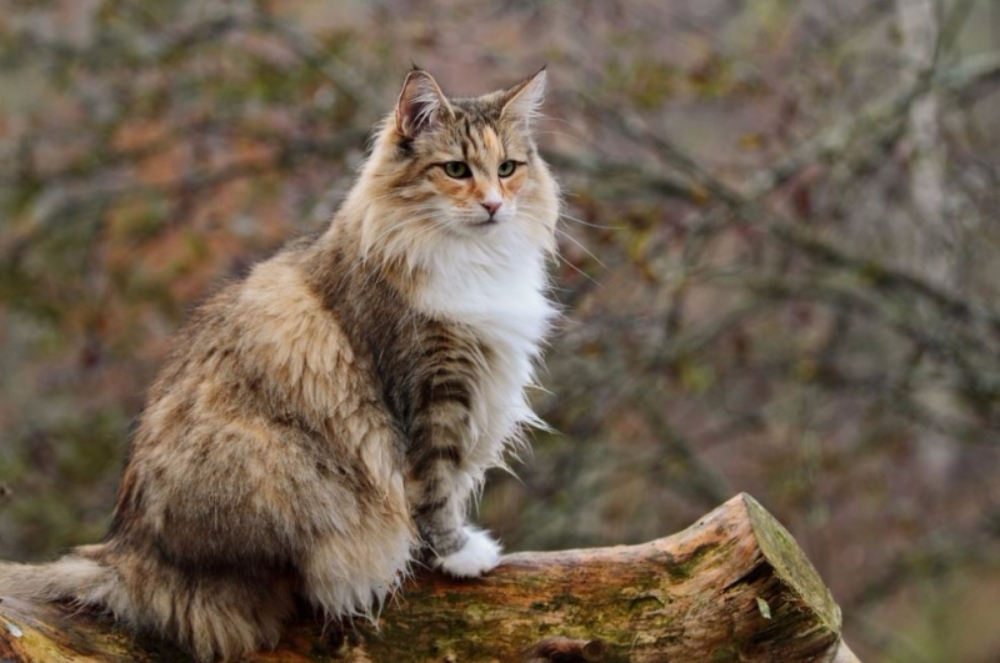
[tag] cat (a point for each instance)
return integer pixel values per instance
(324, 422)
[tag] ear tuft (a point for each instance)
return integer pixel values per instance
(421, 104)
(524, 100)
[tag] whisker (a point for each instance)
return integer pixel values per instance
(574, 219)
(565, 260)
(570, 217)
(581, 247)
(569, 237)
(576, 269)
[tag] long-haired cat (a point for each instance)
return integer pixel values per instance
(324, 421)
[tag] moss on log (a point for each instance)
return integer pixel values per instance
(732, 587)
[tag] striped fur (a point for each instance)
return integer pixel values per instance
(327, 419)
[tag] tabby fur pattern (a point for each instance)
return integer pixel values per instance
(328, 419)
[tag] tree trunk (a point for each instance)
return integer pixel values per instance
(732, 587)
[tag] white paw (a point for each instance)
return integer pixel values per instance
(479, 554)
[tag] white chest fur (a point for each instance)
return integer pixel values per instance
(500, 294)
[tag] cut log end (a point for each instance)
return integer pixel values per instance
(732, 587)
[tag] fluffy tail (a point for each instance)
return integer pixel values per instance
(79, 577)
(211, 617)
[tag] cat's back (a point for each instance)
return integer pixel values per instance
(265, 352)
(264, 408)
(268, 327)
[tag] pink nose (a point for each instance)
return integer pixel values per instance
(491, 206)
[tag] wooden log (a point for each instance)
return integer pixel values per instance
(732, 587)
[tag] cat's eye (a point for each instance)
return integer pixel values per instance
(507, 168)
(457, 169)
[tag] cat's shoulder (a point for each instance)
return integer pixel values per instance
(274, 298)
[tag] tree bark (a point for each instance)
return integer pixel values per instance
(732, 587)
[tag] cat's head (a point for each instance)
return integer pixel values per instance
(462, 172)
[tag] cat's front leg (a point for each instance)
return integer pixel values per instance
(473, 550)
(481, 553)
(440, 485)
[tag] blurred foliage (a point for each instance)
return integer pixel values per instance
(776, 276)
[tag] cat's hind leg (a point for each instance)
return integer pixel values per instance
(352, 573)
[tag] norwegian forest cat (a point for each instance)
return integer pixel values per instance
(326, 420)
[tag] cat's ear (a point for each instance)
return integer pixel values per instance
(524, 100)
(421, 104)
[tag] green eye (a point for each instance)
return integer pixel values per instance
(506, 169)
(457, 169)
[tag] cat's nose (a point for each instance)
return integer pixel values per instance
(491, 206)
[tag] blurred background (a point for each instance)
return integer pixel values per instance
(780, 259)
